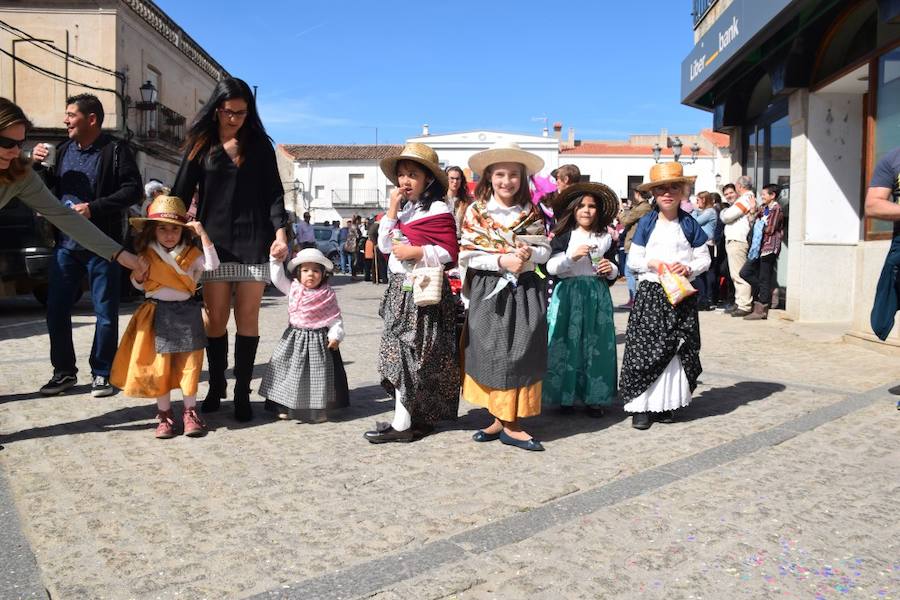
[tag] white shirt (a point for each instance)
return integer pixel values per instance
(562, 265)
(667, 244)
(736, 218)
(505, 215)
(433, 255)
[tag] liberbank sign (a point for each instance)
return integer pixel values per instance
(731, 32)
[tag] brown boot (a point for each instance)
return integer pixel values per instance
(760, 312)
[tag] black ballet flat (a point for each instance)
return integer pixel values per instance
(483, 436)
(595, 412)
(533, 445)
(667, 416)
(641, 421)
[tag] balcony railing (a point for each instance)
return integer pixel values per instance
(701, 7)
(157, 122)
(369, 198)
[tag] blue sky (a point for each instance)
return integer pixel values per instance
(333, 71)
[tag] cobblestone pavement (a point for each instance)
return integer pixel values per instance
(780, 480)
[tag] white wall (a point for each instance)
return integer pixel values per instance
(615, 170)
(334, 177)
(833, 168)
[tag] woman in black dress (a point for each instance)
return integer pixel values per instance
(229, 156)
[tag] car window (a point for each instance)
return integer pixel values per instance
(323, 235)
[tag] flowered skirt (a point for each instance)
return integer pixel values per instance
(657, 333)
(304, 374)
(581, 360)
(419, 352)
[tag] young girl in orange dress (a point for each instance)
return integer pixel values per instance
(162, 348)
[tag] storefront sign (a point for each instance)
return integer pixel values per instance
(733, 30)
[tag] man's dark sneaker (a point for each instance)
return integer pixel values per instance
(101, 388)
(58, 384)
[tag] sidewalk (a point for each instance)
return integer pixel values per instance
(779, 480)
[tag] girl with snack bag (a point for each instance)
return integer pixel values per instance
(661, 363)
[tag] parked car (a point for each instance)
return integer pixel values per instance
(327, 242)
(26, 248)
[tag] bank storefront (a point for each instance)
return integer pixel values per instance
(809, 92)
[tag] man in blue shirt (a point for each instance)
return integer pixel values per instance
(97, 177)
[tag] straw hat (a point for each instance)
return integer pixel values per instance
(665, 172)
(418, 153)
(505, 151)
(310, 255)
(163, 209)
(607, 200)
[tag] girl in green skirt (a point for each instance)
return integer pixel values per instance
(581, 362)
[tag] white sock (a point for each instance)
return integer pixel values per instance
(402, 418)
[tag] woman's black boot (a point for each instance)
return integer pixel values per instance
(244, 357)
(217, 358)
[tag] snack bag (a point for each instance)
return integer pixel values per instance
(676, 287)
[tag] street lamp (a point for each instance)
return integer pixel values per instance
(657, 151)
(149, 93)
(695, 151)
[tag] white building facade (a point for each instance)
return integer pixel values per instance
(334, 182)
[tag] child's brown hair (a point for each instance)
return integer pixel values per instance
(147, 234)
(484, 190)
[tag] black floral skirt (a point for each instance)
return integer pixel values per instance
(656, 332)
(419, 353)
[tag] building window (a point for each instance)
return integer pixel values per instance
(319, 192)
(701, 7)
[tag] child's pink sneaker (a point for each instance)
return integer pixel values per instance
(166, 427)
(193, 424)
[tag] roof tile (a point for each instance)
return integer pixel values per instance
(340, 151)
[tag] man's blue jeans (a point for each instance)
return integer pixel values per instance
(345, 260)
(67, 269)
(630, 280)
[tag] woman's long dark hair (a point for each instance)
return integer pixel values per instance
(567, 222)
(204, 131)
(463, 193)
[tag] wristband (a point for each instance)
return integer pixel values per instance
(116, 255)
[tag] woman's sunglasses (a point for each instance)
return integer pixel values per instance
(9, 143)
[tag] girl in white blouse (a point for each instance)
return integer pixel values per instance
(661, 363)
(581, 361)
(505, 342)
